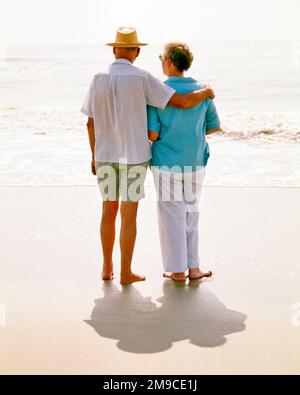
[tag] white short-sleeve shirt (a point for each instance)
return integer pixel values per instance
(117, 102)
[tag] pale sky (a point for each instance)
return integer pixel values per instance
(85, 22)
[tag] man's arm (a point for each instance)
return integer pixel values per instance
(188, 100)
(91, 132)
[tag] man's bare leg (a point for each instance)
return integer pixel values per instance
(107, 233)
(127, 242)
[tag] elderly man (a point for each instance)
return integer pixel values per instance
(117, 127)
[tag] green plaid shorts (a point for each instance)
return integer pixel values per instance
(117, 180)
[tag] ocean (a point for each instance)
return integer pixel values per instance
(43, 138)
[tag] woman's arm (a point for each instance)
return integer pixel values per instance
(213, 131)
(152, 136)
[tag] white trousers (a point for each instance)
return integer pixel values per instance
(178, 197)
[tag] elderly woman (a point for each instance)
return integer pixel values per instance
(179, 156)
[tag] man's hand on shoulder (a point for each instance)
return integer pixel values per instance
(210, 92)
(191, 99)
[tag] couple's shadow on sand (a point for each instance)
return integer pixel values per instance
(183, 312)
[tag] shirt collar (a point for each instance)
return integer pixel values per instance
(122, 61)
(180, 79)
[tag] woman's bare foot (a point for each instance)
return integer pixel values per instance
(197, 274)
(180, 277)
(107, 272)
(131, 278)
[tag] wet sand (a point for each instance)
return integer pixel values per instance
(62, 319)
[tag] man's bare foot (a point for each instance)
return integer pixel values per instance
(180, 277)
(107, 277)
(131, 278)
(107, 272)
(197, 274)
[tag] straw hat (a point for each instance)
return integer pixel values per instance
(126, 37)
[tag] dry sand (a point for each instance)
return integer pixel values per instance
(62, 319)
